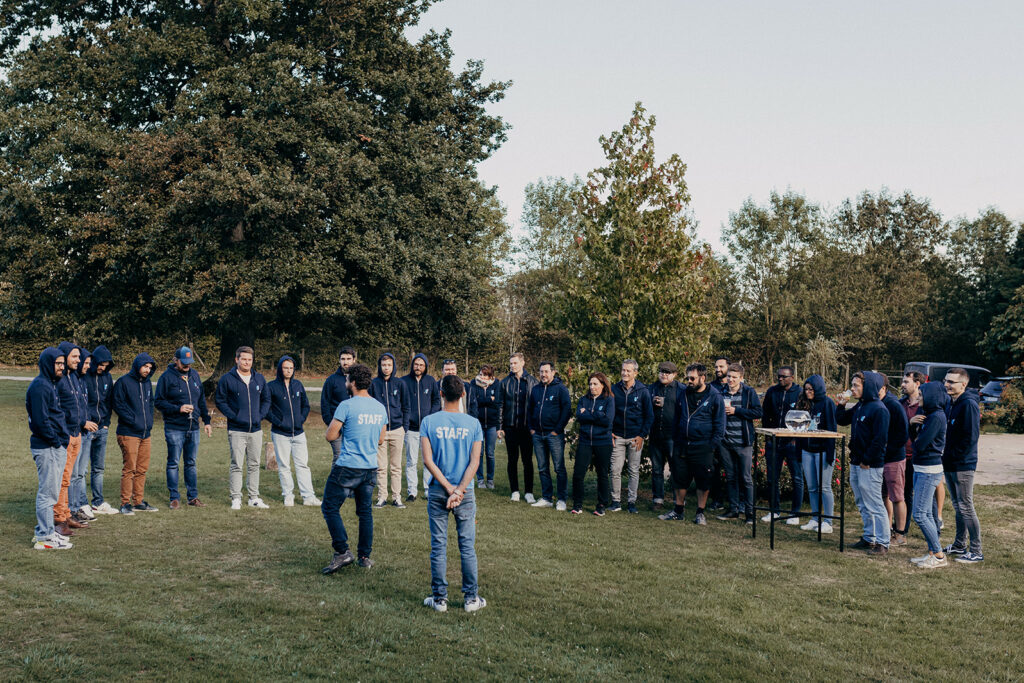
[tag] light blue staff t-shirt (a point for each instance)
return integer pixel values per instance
(363, 418)
(451, 436)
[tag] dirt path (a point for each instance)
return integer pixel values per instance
(1000, 459)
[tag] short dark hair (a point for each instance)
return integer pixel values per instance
(449, 361)
(349, 350)
(785, 367)
(916, 376)
(244, 349)
(698, 368)
(360, 375)
(546, 362)
(487, 370)
(961, 373)
(725, 358)
(606, 386)
(452, 388)
(735, 367)
(859, 375)
(518, 355)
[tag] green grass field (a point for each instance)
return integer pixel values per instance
(212, 593)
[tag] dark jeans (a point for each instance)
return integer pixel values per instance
(551, 447)
(519, 444)
(719, 483)
(960, 486)
(342, 483)
(660, 448)
(736, 460)
(602, 457)
(182, 445)
(791, 455)
(97, 456)
(908, 495)
(490, 438)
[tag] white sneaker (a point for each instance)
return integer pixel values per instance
(436, 605)
(768, 517)
(515, 496)
(258, 503)
(104, 509)
(542, 503)
(289, 501)
(810, 526)
(476, 604)
(826, 528)
(530, 499)
(919, 560)
(87, 512)
(311, 501)
(62, 537)
(59, 542)
(560, 506)
(932, 562)
(793, 521)
(236, 503)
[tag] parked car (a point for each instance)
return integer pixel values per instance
(936, 372)
(991, 392)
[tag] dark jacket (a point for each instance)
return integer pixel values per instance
(244, 406)
(721, 387)
(824, 408)
(705, 428)
(45, 417)
(549, 407)
(424, 395)
(899, 430)
(748, 408)
(634, 413)
(931, 438)
(964, 426)
(595, 416)
(99, 388)
(664, 416)
(488, 404)
(133, 399)
(71, 392)
(335, 391)
(515, 394)
(777, 403)
(392, 395)
(174, 390)
(869, 421)
(470, 399)
(289, 405)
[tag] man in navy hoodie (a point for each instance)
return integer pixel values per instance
(72, 402)
(467, 404)
(133, 403)
(336, 390)
(289, 408)
(424, 399)
(180, 397)
(548, 412)
(48, 445)
(959, 462)
(99, 393)
(742, 407)
(78, 501)
(243, 399)
(869, 434)
(894, 470)
(779, 400)
(634, 415)
(663, 397)
(391, 392)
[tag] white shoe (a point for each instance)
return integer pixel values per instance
(87, 512)
(515, 496)
(933, 562)
(768, 517)
(62, 537)
(59, 542)
(560, 506)
(826, 528)
(236, 503)
(476, 604)
(530, 499)
(104, 509)
(436, 605)
(311, 501)
(289, 502)
(793, 521)
(258, 503)
(919, 560)
(542, 503)
(810, 526)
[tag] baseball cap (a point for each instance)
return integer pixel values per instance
(184, 354)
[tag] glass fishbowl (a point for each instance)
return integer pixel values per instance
(798, 420)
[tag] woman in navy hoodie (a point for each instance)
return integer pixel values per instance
(289, 408)
(819, 455)
(594, 414)
(928, 447)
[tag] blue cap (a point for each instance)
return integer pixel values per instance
(184, 354)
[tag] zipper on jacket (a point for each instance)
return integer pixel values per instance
(387, 403)
(540, 417)
(142, 398)
(189, 390)
(288, 393)
(419, 413)
(248, 396)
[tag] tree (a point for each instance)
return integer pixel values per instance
(242, 169)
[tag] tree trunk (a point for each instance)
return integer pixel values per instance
(230, 340)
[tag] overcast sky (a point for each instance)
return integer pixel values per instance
(826, 98)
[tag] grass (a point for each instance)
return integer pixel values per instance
(238, 595)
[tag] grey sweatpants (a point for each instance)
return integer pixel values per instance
(245, 446)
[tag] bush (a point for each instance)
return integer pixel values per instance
(1009, 412)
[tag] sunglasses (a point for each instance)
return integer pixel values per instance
(784, 376)
(952, 381)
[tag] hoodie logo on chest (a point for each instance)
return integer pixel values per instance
(297, 393)
(551, 397)
(426, 391)
(394, 392)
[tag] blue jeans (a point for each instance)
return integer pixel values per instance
(179, 444)
(867, 492)
(791, 454)
(815, 478)
(961, 493)
(77, 499)
(490, 439)
(50, 468)
(348, 482)
(97, 456)
(551, 446)
(923, 514)
(465, 527)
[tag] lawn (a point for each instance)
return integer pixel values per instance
(238, 595)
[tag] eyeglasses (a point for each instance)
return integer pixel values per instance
(952, 381)
(784, 376)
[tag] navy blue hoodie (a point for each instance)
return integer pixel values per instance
(71, 392)
(174, 390)
(245, 407)
(705, 428)
(335, 391)
(931, 439)
(961, 451)
(45, 417)
(824, 408)
(99, 388)
(488, 402)
(869, 433)
(133, 399)
(424, 395)
(289, 406)
(392, 394)
(595, 416)
(748, 408)
(899, 429)
(549, 408)
(634, 413)
(777, 403)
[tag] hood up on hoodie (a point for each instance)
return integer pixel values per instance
(47, 359)
(420, 356)
(873, 383)
(66, 348)
(101, 354)
(817, 383)
(140, 360)
(933, 397)
(394, 366)
(282, 359)
(81, 363)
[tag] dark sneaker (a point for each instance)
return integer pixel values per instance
(365, 562)
(750, 520)
(671, 516)
(970, 558)
(862, 544)
(410, 498)
(126, 509)
(145, 507)
(577, 511)
(633, 510)
(715, 505)
(398, 504)
(953, 549)
(729, 515)
(380, 503)
(614, 507)
(878, 549)
(599, 511)
(196, 503)
(700, 519)
(338, 561)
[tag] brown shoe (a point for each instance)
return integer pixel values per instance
(899, 539)
(175, 504)
(878, 550)
(75, 524)
(195, 502)
(63, 529)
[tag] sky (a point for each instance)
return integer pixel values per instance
(827, 99)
